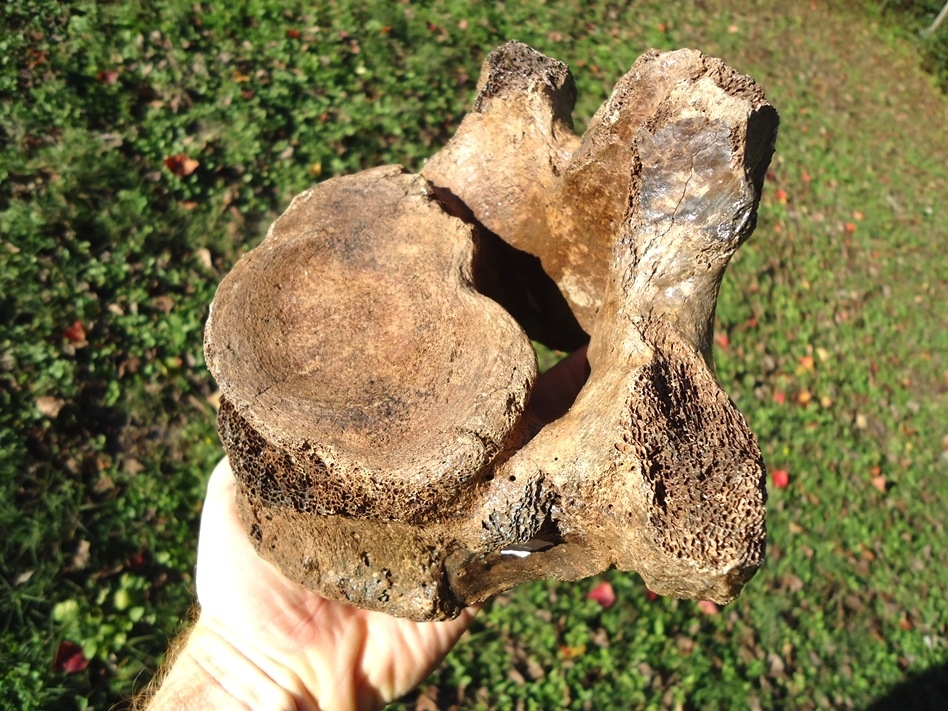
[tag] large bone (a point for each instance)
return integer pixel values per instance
(374, 399)
(525, 175)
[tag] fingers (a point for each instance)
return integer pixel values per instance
(221, 481)
(222, 540)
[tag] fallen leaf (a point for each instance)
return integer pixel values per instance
(107, 76)
(849, 228)
(293, 34)
(600, 638)
(804, 397)
(69, 658)
(534, 669)
(650, 595)
(427, 702)
(780, 478)
(573, 652)
(603, 594)
(135, 562)
(163, 303)
(880, 483)
(181, 164)
(777, 667)
(203, 255)
(792, 583)
(80, 559)
(75, 333)
(685, 644)
(50, 406)
(23, 577)
(807, 362)
(708, 607)
(780, 398)
(781, 196)
(132, 466)
(722, 339)
(104, 484)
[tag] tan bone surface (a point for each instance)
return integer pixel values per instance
(375, 364)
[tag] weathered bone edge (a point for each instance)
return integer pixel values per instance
(375, 364)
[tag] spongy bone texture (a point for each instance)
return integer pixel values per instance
(375, 378)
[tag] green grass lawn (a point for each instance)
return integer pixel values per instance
(144, 146)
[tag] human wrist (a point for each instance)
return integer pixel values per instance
(212, 671)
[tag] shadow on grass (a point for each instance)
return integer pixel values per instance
(919, 692)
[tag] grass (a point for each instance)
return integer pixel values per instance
(832, 333)
(915, 18)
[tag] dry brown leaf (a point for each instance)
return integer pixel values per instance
(80, 559)
(49, 405)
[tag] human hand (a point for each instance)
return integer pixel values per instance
(328, 654)
(263, 641)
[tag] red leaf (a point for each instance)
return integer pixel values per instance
(573, 652)
(181, 165)
(69, 658)
(603, 594)
(650, 595)
(780, 398)
(76, 333)
(780, 478)
(293, 34)
(107, 76)
(708, 607)
(135, 562)
(781, 196)
(722, 340)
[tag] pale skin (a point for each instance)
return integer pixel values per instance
(265, 643)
